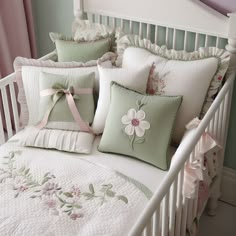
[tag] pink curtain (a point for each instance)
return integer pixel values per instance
(17, 37)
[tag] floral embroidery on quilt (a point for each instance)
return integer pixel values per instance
(135, 125)
(54, 198)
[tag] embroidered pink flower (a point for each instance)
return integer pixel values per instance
(51, 205)
(135, 122)
(49, 189)
(75, 191)
(75, 216)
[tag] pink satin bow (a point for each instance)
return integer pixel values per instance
(194, 171)
(69, 93)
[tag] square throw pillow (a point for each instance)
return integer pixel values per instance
(66, 102)
(197, 76)
(27, 76)
(135, 79)
(140, 126)
(69, 50)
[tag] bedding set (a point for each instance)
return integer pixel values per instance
(102, 123)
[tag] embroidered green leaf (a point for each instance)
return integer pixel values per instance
(69, 206)
(91, 188)
(88, 196)
(123, 198)
(22, 169)
(77, 206)
(110, 193)
(60, 199)
(45, 180)
(33, 196)
(46, 174)
(27, 171)
(109, 186)
(139, 141)
(67, 194)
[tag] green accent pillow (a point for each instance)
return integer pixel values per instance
(61, 116)
(81, 52)
(139, 125)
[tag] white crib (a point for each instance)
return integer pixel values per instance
(168, 212)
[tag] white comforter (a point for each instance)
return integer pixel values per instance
(46, 192)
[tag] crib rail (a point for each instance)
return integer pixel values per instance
(161, 34)
(9, 104)
(168, 212)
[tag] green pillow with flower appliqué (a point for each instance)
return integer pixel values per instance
(140, 125)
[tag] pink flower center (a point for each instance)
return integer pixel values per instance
(135, 122)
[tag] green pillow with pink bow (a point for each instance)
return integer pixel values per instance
(140, 125)
(66, 102)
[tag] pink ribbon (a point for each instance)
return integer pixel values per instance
(71, 103)
(195, 171)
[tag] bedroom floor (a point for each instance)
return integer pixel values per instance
(223, 224)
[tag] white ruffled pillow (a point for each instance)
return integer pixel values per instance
(197, 76)
(135, 79)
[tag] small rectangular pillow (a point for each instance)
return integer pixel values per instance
(64, 97)
(28, 71)
(197, 75)
(135, 79)
(140, 126)
(62, 140)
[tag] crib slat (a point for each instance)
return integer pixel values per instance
(157, 222)
(184, 217)
(164, 217)
(99, 19)
(131, 27)
(196, 41)
(174, 39)
(122, 24)
(179, 202)
(173, 208)
(156, 34)
(185, 40)
(222, 123)
(148, 229)
(216, 125)
(2, 137)
(140, 29)
(217, 42)
(6, 112)
(167, 36)
(14, 106)
(148, 31)
(206, 41)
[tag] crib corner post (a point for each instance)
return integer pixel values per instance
(231, 46)
(79, 10)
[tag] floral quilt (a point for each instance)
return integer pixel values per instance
(54, 193)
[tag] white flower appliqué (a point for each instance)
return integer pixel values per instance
(135, 123)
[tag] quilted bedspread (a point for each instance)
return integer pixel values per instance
(45, 192)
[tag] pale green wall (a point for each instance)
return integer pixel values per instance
(51, 15)
(57, 15)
